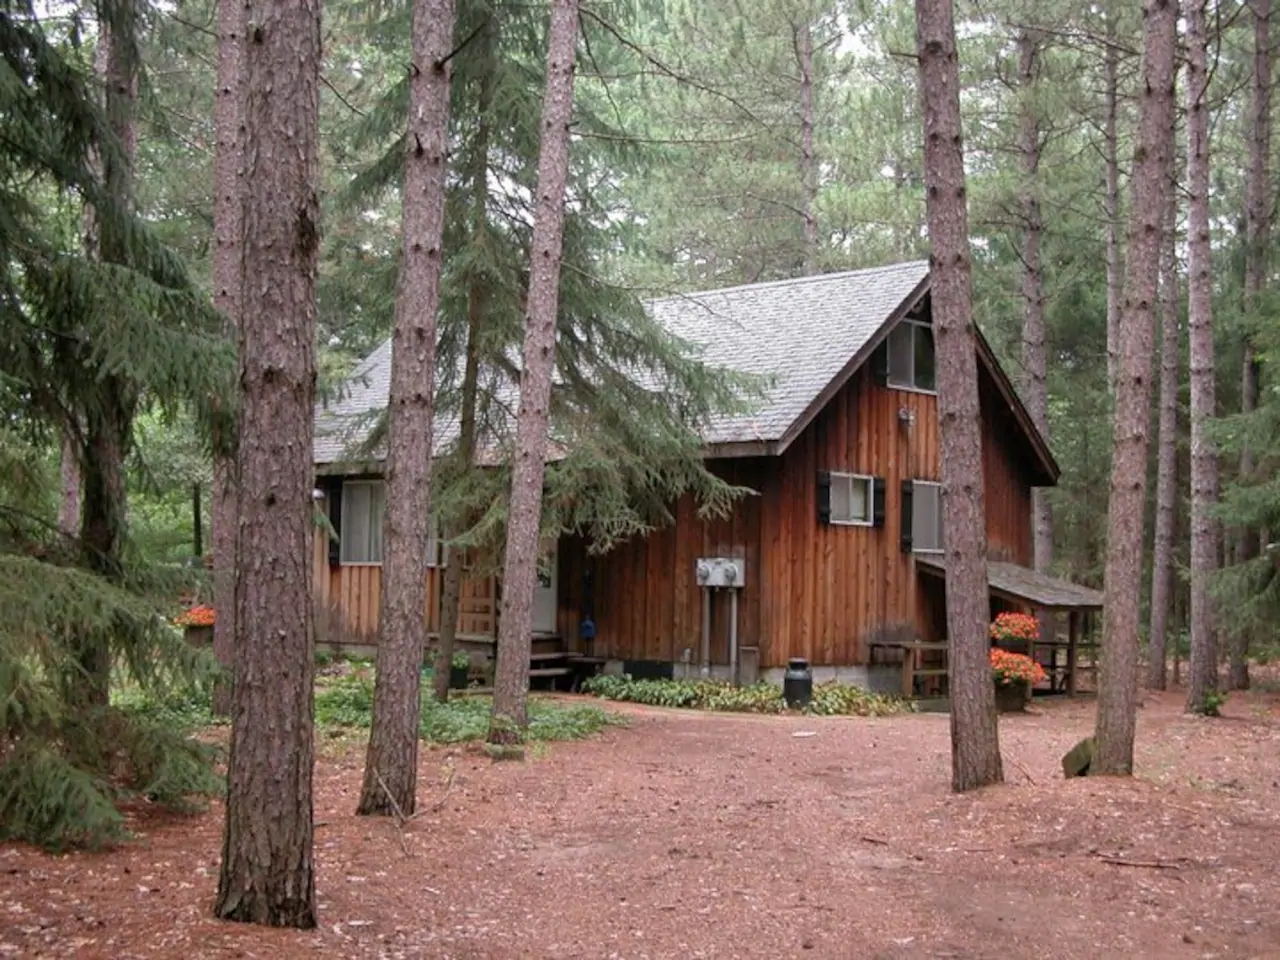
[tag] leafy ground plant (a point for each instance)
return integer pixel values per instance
(829, 699)
(346, 700)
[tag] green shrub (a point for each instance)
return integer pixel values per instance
(829, 699)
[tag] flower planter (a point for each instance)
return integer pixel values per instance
(1012, 697)
(199, 636)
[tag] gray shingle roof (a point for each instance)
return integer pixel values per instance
(800, 332)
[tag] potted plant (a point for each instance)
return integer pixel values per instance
(197, 624)
(459, 670)
(1013, 674)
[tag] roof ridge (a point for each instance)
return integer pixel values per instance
(790, 281)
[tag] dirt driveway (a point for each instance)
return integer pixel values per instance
(688, 835)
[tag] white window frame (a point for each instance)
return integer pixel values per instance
(915, 488)
(434, 552)
(853, 478)
(910, 387)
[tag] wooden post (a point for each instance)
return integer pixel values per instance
(1073, 633)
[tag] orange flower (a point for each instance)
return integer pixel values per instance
(198, 616)
(1014, 626)
(1008, 668)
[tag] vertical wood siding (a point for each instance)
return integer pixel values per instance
(813, 590)
(350, 597)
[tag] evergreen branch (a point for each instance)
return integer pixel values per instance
(667, 71)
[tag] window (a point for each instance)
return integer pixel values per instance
(910, 357)
(363, 505)
(851, 497)
(926, 517)
(360, 536)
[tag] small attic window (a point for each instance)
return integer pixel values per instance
(911, 360)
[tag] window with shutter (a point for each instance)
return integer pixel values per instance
(926, 517)
(852, 499)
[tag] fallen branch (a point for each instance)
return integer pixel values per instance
(448, 786)
(1148, 864)
(401, 819)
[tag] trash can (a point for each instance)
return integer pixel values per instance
(797, 683)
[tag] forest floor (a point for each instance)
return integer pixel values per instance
(708, 835)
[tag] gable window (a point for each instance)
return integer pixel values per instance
(364, 504)
(910, 357)
(850, 499)
(926, 516)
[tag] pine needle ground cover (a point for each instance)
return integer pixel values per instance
(829, 699)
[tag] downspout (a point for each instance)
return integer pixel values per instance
(733, 635)
(705, 653)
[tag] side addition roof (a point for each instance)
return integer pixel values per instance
(1024, 585)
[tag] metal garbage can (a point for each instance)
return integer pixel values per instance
(797, 683)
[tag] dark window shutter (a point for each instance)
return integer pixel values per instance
(877, 501)
(333, 490)
(908, 492)
(824, 496)
(880, 363)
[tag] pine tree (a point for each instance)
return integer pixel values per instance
(391, 765)
(1167, 453)
(975, 744)
(1118, 681)
(267, 870)
(1203, 678)
(511, 683)
(1258, 217)
(228, 226)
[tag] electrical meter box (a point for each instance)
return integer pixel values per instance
(720, 572)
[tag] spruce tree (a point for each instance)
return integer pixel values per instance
(84, 344)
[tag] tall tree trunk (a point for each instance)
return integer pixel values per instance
(1118, 680)
(391, 765)
(228, 237)
(1202, 674)
(1035, 391)
(1167, 456)
(975, 745)
(267, 869)
(108, 416)
(524, 512)
(1111, 148)
(70, 484)
(1257, 259)
(451, 590)
(808, 162)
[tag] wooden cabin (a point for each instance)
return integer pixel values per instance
(841, 544)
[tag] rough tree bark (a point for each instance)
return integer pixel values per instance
(1118, 680)
(1257, 259)
(808, 161)
(1167, 456)
(267, 870)
(1111, 150)
(1202, 673)
(1035, 392)
(511, 685)
(69, 483)
(228, 229)
(391, 763)
(451, 589)
(975, 745)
